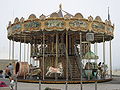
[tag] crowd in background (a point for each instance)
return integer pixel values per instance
(7, 72)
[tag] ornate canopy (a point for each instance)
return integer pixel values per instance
(90, 55)
(56, 21)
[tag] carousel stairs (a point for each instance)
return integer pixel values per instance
(73, 66)
(75, 73)
(76, 64)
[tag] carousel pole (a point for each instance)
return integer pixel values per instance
(31, 51)
(24, 49)
(52, 49)
(40, 52)
(34, 50)
(66, 59)
(40, 64)
(95, 50)
(110, 60)
(13, 49)
(28, 52)
(81, 60)
(24, 52)
(43, 54)
(20, 50)
(9, 49)
(104, 49)
(56, 61)
(104, 54)
(110, 49)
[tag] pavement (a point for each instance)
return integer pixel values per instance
(111, 85)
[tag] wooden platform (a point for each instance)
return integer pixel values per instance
(63, 81)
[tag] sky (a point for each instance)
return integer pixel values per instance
(9, 9)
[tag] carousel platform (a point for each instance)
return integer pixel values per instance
(63, 81)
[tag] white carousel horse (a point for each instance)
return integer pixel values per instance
(58, 70)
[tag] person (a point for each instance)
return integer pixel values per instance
(12, 83)
(7, 72)
(1, 73)
(11, 68)
(88, 65)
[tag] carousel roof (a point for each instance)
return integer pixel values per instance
(90, 55)
(60, 21)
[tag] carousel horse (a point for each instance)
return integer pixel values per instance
(102, 71)
(58, 70)
(34, 73)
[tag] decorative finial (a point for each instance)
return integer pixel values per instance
(60, 6)
(108, 14)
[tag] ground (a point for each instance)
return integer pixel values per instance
(112, 85)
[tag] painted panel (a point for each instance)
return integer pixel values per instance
(53, 24)
(16, 27)
(110, 29)
(98, 26)
(78, 24)
(32, 25)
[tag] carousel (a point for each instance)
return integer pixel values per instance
(61, 45)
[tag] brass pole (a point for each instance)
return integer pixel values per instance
(81, 60)
(66, 55)
(52, 52)
(40, 53)
(43, 55)
(110, 60)
(56, 61)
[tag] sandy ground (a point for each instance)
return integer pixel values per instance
(112, 85)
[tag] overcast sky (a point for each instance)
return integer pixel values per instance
(9, 9)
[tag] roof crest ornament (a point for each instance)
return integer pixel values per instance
(60, 7)
(108, 14)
